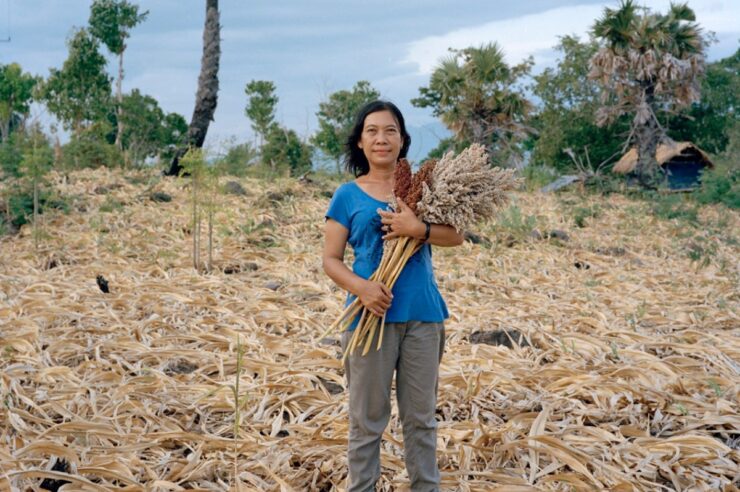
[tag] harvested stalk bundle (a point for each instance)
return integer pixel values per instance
(457, 191)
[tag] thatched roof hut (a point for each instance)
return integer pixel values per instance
(681, 161)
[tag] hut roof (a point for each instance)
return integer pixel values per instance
(664, 153)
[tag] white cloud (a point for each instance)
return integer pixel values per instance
(536, 34)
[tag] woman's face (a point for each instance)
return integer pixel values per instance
(381, 139)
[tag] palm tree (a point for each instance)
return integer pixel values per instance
(474, 92)
(207, 95)
(648, 62)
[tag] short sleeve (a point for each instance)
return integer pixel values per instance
(339, 207)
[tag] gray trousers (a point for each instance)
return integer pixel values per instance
(413, 350)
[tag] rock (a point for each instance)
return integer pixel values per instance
(582, 265)
(332, 387)
(536, 235)
(611, 251)
(277, 196)
(160, 197)
(510, 241)
(246, 267)
(499, 337)
(561, 182)
(52, 262)
(273, 285)
(558, 234)
(180, 366)
(474, 238)
(104, 189)
(330, 341)
(102, 284)
(60, 465)
(234, 188)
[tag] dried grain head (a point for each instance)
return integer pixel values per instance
(402, 180)
(465, 189)
(423, 175)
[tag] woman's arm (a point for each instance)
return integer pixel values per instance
(373, 295)
(406, 223)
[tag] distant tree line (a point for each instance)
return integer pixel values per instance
(639, 78)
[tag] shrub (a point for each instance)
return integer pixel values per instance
(20, 204)
(537, 176)
(90, 149)
(721, 185)
(673, 206)
(20, 144)
(237, 160)
(580, 214)
(516, 225)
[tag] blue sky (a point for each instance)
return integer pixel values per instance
(312, 48)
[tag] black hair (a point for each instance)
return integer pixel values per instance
(354, 157)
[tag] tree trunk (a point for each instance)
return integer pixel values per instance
(119, 98)
(648, 136)
(207, 95)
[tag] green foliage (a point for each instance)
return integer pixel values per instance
(38, 157)
(237, 160)
(89, 149)
(565, 116)
(174, 134)
(16, 93)
(111, 20)
(283, 148)
(16, 152)
(79, 93)
(708, 122)
(261, 106)
(514, 225)
(721, 185)
(674, 207)
(147, 132)
(11, 154)
(580, 214)
(537, 176)
(19, 200)
(336, 118)
(110, 205)
(701, 250)
(474, 91)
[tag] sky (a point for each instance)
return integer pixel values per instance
(311, 48)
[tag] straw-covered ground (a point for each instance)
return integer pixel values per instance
(627, 379)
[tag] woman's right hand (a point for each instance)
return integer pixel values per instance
(376, 297)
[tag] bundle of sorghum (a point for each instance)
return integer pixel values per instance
(456, 191)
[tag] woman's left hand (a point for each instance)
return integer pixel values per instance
(401, 223)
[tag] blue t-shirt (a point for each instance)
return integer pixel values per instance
(415, 294)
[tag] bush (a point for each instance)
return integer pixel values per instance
(721, 185)
(20, 205)
(20, 144)
(515, 225)
(674, 206)
(90, 149)
(11, 156)
(537, 176)
(580, 214)
(237, 160)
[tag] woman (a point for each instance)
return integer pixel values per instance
(413, 339)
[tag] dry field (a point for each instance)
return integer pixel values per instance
(627, 379)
